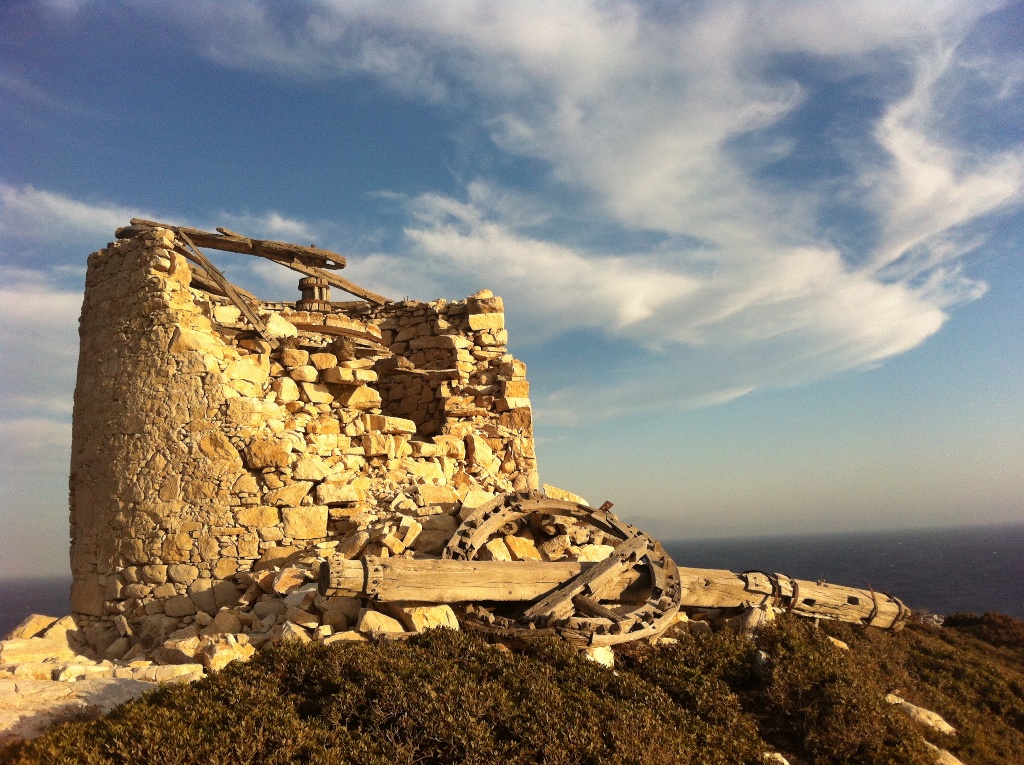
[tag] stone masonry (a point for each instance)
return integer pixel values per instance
(205, 460)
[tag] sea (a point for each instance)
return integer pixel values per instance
(941, 571)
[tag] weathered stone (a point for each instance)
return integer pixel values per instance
(486, 321)
(338, 493)
(258, 516)
(444, 497)
(555, 493)
(286, 389)
(292, 494)
(308, 522)
(497, 550)
(268, 452)
(31, 626)
(431, 617)
(374, 621)
(289, 579)
(603, 655)
(593, 553)
(521, 548)
(921, 715)
(361, 397)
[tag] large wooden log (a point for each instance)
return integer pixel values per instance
(459, 581)
(311, 261)
(229, 241)
(444, 581)
(715, 588)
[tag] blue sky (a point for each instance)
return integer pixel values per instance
(763, 259)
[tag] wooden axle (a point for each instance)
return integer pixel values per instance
(462, 581)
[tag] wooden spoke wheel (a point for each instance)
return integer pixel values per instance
(591, 609)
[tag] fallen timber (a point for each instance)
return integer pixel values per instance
(310, 261)
(635, 593)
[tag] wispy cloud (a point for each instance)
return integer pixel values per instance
(638, 113)
(638, 110)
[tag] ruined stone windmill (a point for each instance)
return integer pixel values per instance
(246, 471)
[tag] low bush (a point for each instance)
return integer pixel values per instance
(446, 697)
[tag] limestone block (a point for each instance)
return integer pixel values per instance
(291, 631)
(432, 541)
(603, 655)
(289, 579)
(35, 649)
(31, 626)
(472, 501)
(268, 452)
(392, 425)
(258, 516)
(306, 374)
(186, 340)
(217, 654)
(485, 305)
(516, 389)
(425, 471)
(218, 449)
(154, 574)
(431, 617)
(293, 357)
(278, 326)
(521, 548)
(555, 493)
(353, 544)
(253, 369)
(224, 568)
(302, 617)
(497, 550)
(291, 494)
(201, 594)
(362, 397)
(486, 321)
(919, 714)
(286, 389)
(311, 468)
(439, 522)
(374, 621)
(180, 605)
(341, 637)
(309, 522)
(444, 497)
(593, 553)
(177, 548)
(338, 493)
(323, 360)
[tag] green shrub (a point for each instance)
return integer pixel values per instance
(445, 697)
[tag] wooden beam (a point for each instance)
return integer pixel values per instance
(713, 588)
(311, 261)
(444, 581)
(229, 241)
(229, 289)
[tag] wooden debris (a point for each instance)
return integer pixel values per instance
(444, 581)
(310, 261)
(713, 588)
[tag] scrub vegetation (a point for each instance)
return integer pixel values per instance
(447, 697)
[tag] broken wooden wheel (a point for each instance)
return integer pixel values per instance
(599, 606)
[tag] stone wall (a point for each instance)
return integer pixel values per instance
(201, 454)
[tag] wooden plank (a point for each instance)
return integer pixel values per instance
(311, 261)
(229, 290)
(327, 329)
(228, 241)
(559, 603)
(444, 581)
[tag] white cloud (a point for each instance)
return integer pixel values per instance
(638, 111)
